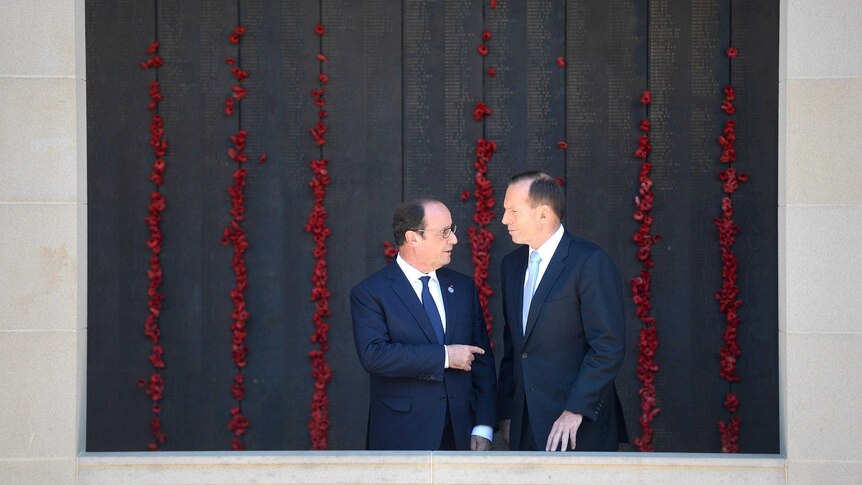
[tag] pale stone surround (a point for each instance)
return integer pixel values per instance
(43, 287)
(428, 467)
(43, 255)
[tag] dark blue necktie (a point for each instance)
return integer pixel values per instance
(431, 310)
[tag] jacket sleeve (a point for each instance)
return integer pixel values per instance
(600, 292)
(506, 387)
(378, 354)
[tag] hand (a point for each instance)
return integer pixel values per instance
(461, 356)
(478, 443)
(565, 429)
(505, 426)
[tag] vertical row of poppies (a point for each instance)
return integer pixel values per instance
(481, 239)
(727, 297)
(156, 385)
(318, 423)
(644, 239)
(235, 235)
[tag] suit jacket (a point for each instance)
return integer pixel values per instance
(573, 347)
(410, 390)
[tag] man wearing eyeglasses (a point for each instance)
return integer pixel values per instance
(421, 336)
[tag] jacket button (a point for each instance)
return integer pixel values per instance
(524, 355)
(442, 398)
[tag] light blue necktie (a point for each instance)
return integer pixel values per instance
(530, 288)
(431, 310)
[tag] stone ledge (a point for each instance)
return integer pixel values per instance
(404, 467)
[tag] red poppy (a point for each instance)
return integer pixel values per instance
(239, 74)
(732, 52)
(491, 71)
(729, 94)
(562, 144)
(483, 49)
(481, 110)
(318, 137)
(561, 61)
(646, 97)
(319, 30)
(486, 36)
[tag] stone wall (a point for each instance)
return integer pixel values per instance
(820, 207)
(43, 286)
(43, 201)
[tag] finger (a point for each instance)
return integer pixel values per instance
(564, 441)
(573, 437)
(554, 443)
(476, 350)
(551, 445)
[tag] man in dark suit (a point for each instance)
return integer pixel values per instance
(420, 334)
(564, 337)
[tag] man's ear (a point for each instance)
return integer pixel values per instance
(544, 213)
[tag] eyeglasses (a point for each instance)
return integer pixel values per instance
(446, 232)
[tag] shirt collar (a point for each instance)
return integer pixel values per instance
(546, 250)
(412, 273)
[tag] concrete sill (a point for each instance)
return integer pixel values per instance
(410, 467)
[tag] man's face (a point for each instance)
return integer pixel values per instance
(519, 217)
(433, 251)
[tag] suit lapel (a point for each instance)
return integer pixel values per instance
(516, 282)
(555, 268)
(448, 303)
(407, 295)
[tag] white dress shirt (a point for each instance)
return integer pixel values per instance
(413, 276)
(546, 252)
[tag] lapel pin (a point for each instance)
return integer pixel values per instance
(451, 289)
